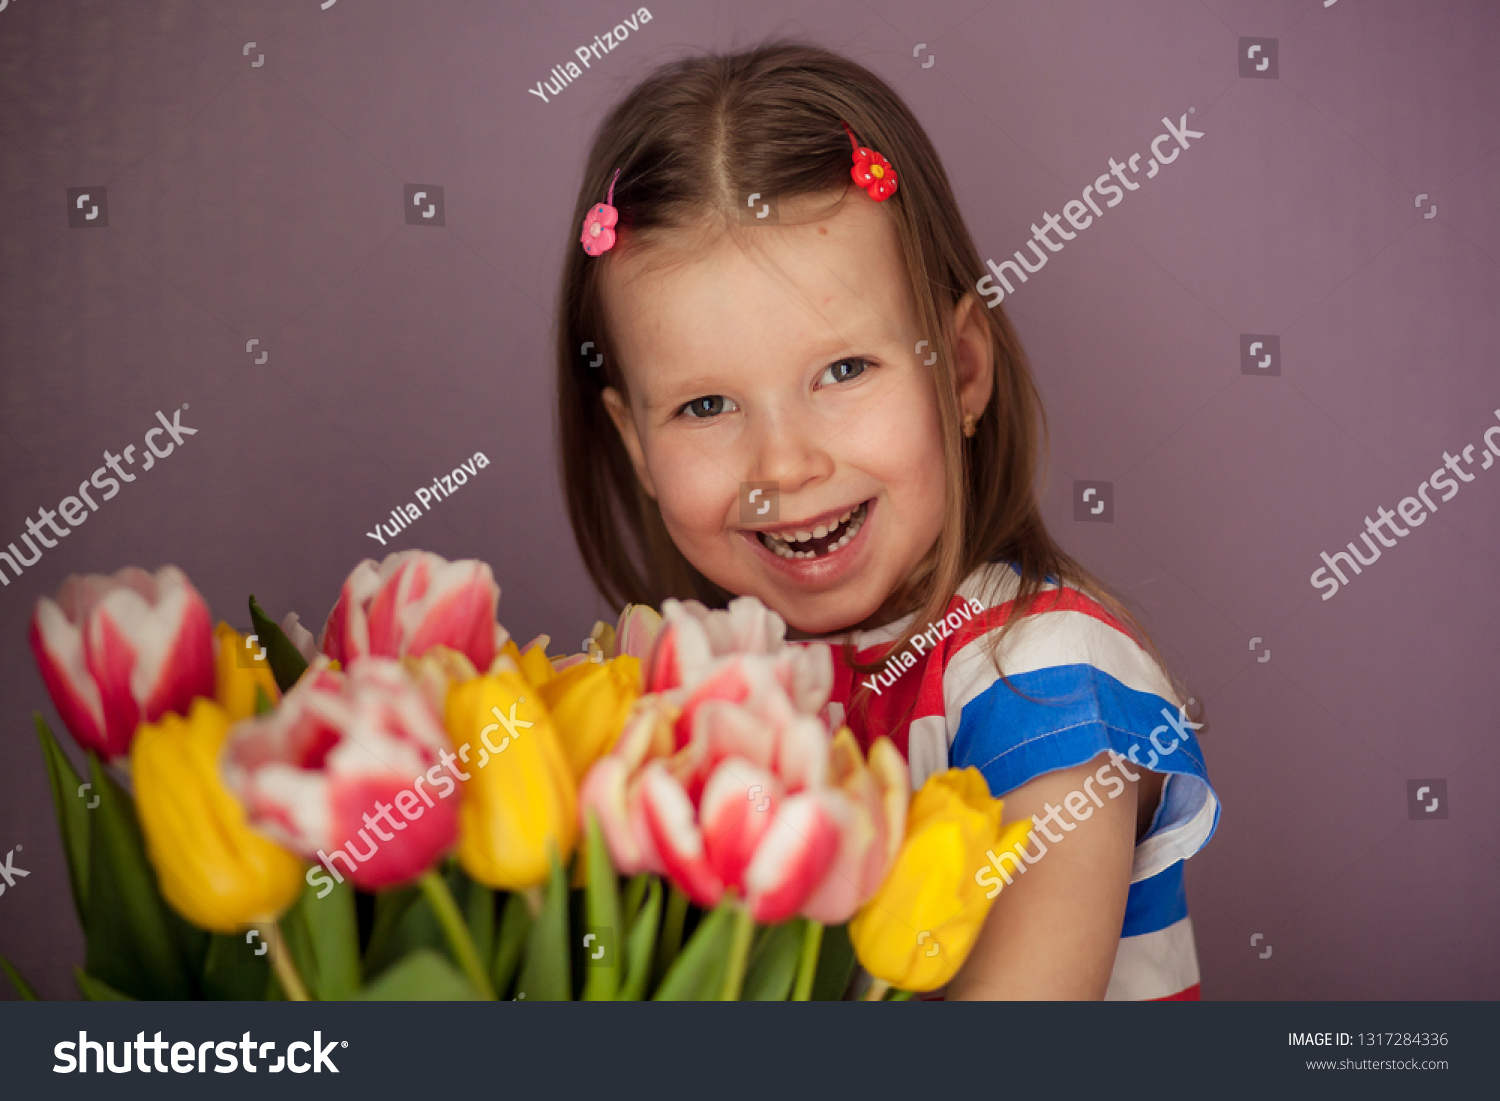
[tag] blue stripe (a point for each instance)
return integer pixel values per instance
(1155, 903)
(1076, 712)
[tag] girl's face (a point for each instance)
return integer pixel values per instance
(785, 358)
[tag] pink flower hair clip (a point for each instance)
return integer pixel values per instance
(598, 235)
(871, 171)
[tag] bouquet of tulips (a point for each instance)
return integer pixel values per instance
(414, 807)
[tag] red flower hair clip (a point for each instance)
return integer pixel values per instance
(598, 235)
(871, 171)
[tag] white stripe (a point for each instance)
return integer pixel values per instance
(1154, 965)
(1184, 820)
(991, 584)
(1045, 640)
(926, 748)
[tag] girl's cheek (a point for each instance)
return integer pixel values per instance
(692, 490)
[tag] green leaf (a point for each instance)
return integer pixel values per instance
(384, 948)
(96, 990)
(773, 963)
(602, 976)
(264, 704)
(635, 894)
(323, 937)
(135, 941)
(479, 915)
(640, 945)
(546, 974)
(698, 972)
(72, 813)
(671, 932)
(836, 963)
(287, 662)
(232, 972)
(423, 976)
(23, 988)
(510, 943)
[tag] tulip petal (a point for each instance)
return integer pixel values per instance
(723, 730)
(739, 803)
(893, 778)
(605, 792)
(793, 857)
(802, 754)
(674, 830)
(57, 646)
(845, 887)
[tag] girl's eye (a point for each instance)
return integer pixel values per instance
(845, 370)
(710, 406)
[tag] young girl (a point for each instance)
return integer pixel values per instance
(776, 378)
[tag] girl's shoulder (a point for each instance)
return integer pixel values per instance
(1064, 683)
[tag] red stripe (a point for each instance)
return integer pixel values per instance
(918, 690)
(1191, 994)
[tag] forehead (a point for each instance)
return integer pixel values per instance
(829, 274)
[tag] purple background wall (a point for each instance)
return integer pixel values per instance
(264, 200)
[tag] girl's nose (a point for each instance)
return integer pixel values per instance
(790, 452)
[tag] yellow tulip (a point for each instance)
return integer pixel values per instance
(437, 669)
(520, 795)
(588, 704)
(536, 667)
(213, 868)
(236, 674)
(917, 930)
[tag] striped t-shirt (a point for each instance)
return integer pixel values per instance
(1092, 689)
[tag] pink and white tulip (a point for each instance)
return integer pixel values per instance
(412, 601)
(353, 770)
(726, 778)
(118, 651)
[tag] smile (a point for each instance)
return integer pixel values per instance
(818, 541)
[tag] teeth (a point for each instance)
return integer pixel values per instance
(782, 545)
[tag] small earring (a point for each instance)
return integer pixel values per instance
(971, 424)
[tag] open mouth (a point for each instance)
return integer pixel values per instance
(820, 540)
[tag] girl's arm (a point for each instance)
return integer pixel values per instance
(1053, 932)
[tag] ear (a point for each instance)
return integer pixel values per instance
(620, 413)
(974, 358)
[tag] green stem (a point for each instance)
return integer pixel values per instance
(281, 963)
(441, 900)
(739, 954)
(807, 966)
(671, 931)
